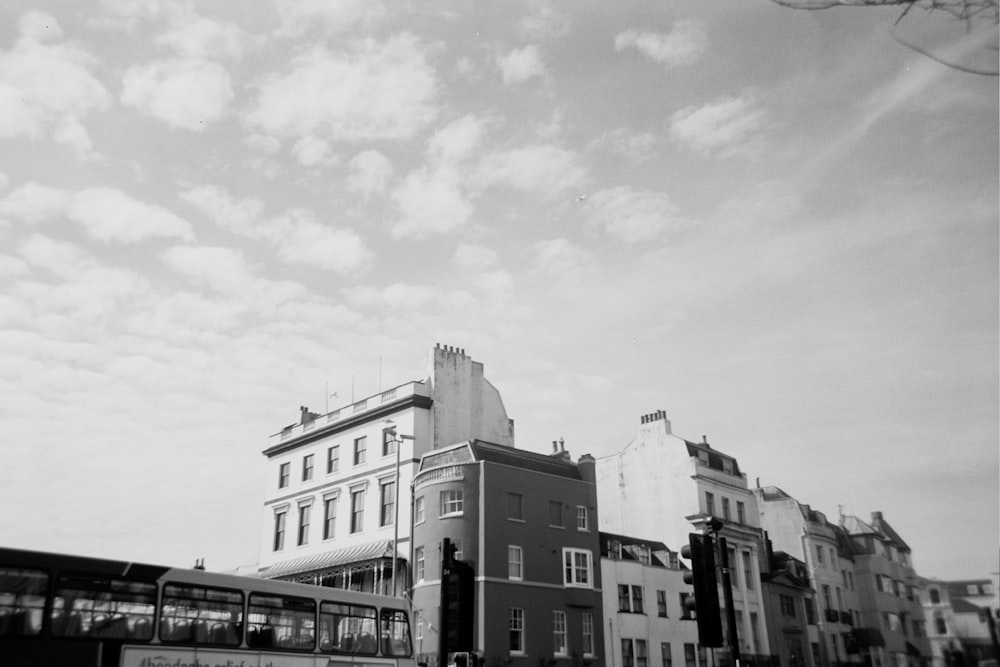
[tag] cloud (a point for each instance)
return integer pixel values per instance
(632, 216)
(474, 257)
(111, 215)
(729, 125)
(370, 172)
(46, 88)
(321, 16)
(430, 201)
(187, 94)
(542, 168)
(520, 65)
(34, 203)
(457, 141)
(635, 146)
(374, 91)
(297, 235)
(683, 45)
(193, 36)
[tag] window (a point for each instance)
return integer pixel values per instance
(628, 653)
(582, 518)
(588, 633)
(641, 657)
(360, 450)
(665, 657)
(283, 473)
(347, 628)
(810, 611)
(388, 443)
(577, 568)
(357, 510)
(833, 559)
(630, 599)
(395, 630)
(303, 537)
(826, 596)
(515, 627)
(279, 530)
(271, 617)
(418, 510)
(787, 604)
(201, 615)
(418, 563)
(935, 596)
(307, 467)
(710, 503)
(939, 625)
(733, 572)
(741, 515)
(332, 459)
(82, 604)
(661, 604)
(624, 603)
(755, 632)
(418, 621)
(451, 502)
(515, 562)
(690, 656)
(387, 503)
(747, 570)
(819, 554)
(555, 513)
(22, 603)
(514, 507)
(725, 509)
(329, 517)
(559, 632)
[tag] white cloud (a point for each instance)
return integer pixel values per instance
(34, 203)
(111, 215)
(635, 146)
(729, 125)
(430, 202)
(560, 256)
(377, 90)
(298, 236)
(542, 168)
(458, 140)
(631, 216)
(370, 172)
(46, 89)
(311, 150)
(187, 93)
(474, 257)
(194, 36)
(683, 45)
(519, 65)
(321, 16)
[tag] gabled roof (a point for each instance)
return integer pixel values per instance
(715, 457)
(855, 526)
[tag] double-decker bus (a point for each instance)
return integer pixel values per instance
(60, 610)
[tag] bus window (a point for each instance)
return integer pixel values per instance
(395, 634)
(22, 601)
(201, 615)
(91, 606)
(347, 628)
(281, 621)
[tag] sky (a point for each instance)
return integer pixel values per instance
(779, 226)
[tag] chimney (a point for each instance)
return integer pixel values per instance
(876, 516)
(658, 416)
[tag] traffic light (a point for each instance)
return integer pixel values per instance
(701, 552)
(458, 582)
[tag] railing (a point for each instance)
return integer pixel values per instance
(347, 411)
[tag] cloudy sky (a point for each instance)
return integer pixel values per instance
(779, 226)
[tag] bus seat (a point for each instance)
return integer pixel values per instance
(234, 633)
(199, 631)
(347, 642)
(4, 620)
(217, 635)
(73, 625)
(306, 641)
(142, 629)
(367, 644)
(165, 630)
(117, 627)
(181, 631)
(19, 623)
(265, 636)
(97, 623)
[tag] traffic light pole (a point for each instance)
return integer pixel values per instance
(727, 592)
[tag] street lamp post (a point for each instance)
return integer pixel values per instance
(398, 439)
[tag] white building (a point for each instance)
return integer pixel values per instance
(337, 490)
(646, 621)
(665, 487)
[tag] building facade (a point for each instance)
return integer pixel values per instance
(647, 623)
(788, 596)
(958, 620)
(834, 630)
(526, 523)
(665, 487)
(337, 505)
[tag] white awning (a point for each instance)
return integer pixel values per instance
(356, 555)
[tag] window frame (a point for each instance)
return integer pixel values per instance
(387, 503)
(450, 499)
(515, 561)
(360, 451)
(357, 510)
(284, 474)
(307, 467)
(330, 516)
(332, 459)
(559, 644)
(582, 519)
(516, 629)
(572, 569)
(280, 526)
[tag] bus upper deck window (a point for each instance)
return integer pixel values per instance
(22, 601)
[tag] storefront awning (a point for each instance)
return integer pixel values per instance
(868, 637)
(359, 554)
